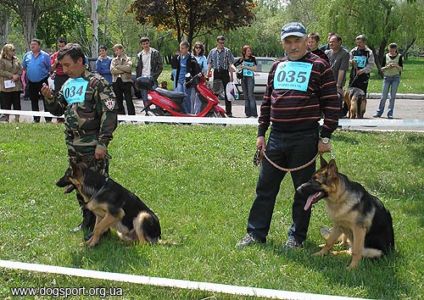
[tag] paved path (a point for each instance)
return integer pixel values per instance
(405, 109)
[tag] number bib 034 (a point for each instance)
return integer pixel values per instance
(291, 75)
(74, 90)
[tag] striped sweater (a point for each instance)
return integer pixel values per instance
(292, 110)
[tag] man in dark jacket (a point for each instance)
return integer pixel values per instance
(186, 64)
(149, 64)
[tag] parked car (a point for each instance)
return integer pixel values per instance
(263, 67)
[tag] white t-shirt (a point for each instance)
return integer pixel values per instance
(146, 57)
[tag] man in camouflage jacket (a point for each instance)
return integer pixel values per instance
(88, 105)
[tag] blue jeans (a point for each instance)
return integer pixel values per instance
(247, 84)
(186, 106)
(287, 149)
(392, 83)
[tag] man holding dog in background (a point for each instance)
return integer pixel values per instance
(89, 108)
(362, 61)
(301, 87)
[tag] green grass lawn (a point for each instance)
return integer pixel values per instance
(411, 80)
(200, 180)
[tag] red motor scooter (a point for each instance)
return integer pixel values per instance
(169, 103)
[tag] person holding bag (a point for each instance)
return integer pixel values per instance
(248, 67)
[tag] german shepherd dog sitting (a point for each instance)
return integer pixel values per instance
(360, 216)
(356, 102)
(114, 207)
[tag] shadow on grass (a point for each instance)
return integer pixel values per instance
(110, 255)
(416, 152)
(377, 277)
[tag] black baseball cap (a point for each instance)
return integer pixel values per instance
(293, 29)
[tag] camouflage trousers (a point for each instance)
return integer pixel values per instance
(100, 166)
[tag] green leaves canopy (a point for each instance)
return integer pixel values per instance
(190, 17)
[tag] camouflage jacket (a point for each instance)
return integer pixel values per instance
(89, 120)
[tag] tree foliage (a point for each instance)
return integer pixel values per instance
(30, 11)
(382, 21)
(191, 17)
(54, 24)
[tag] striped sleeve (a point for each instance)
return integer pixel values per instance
(329, 101)
(265, 111)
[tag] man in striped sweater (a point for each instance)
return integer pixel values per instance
(301, 88)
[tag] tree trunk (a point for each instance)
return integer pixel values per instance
(106, 18)
(4, 27)
(177, 21)
(95, 23)
(29, 15)
(408, 46)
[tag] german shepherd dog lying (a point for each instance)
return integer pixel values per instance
(355, 213)
(114, 207)
(356, 102)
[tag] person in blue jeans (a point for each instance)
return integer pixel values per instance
(103, 64)
(392, 68)
(248, 65)
(186, 64)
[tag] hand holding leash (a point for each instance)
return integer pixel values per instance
(324, 146)
(260, 148)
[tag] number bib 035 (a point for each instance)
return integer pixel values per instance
(74, 90)
(291, 75)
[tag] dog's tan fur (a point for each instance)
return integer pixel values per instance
(110, 213)
(356, 103)
(345, 219)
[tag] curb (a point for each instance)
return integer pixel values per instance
(398, 96)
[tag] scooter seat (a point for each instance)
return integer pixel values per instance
(175, 96)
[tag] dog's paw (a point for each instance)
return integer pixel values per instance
(352, 267)
(92, 242)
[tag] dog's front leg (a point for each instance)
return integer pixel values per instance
(107, 221)
(357, 246)
(333, 237)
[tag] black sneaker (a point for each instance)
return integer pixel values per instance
(248, 240)
(291, 243)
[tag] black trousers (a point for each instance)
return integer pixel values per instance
(288, 150)
(360, 81)
(225, 77)
(59, 80)
(34, 89)
(9, 99)
(100, 166)
(121, 90)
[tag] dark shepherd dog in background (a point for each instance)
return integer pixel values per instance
(361, 217)
(114, 207)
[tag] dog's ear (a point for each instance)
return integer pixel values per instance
(78, 168)
(323, 162)
(332, 167)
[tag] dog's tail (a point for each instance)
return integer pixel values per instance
(147, 227)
